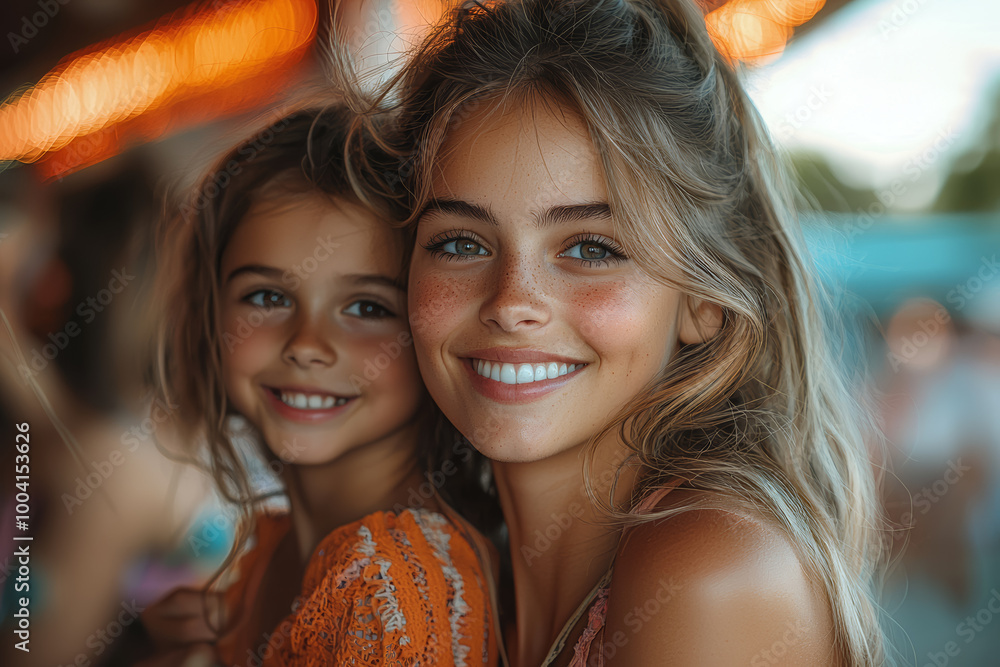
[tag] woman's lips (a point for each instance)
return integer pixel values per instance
(522, 355)
(523, 392)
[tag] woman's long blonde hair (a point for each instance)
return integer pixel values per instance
(760, 412)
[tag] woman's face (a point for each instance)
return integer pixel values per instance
(530, 325)
(316, 345)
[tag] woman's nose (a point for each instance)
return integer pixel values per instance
(515, 296)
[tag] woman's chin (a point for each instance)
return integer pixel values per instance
(517, 450)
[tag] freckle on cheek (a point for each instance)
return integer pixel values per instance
(605, 310)
(435, 303)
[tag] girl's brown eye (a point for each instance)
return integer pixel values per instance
(592, 251)
(268, 299)
(368, 310)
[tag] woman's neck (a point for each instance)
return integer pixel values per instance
(372, 478)
(561, 544)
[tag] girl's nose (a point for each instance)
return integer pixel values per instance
(311, 344)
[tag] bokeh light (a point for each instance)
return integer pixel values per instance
(212, 55)
(756, 30)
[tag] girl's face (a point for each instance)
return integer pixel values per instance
(315, 338)
(531, 326)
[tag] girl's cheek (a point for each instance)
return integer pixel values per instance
(250, 340)
(386, 363)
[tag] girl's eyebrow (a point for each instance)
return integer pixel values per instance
(374, 279)
(267, 271)
(552, 216)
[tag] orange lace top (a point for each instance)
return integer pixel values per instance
(390, 589)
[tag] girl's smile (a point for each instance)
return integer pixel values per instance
(306, 404)
(311, 304)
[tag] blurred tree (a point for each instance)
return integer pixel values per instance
(974, 183)
(971, 185)
(823, 189)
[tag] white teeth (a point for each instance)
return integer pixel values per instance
(508, 374)
(311, 401)
(525, 374)
(521, 373)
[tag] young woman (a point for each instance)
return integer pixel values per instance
(286, 311)
(610, 298)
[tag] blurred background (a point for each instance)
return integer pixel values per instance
(888, 110)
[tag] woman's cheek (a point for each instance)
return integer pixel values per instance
(607, 315)
(437, 306)
(629, 329)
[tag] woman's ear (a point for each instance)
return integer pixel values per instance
(700, 320)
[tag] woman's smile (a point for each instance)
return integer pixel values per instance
(519, 376)
(532, 325)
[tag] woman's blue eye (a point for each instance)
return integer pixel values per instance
(463, 247)
(588, 250)
(367, 309)
(456, 244)
(267, 299)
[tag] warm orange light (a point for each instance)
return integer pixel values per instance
(755, 30)
(199, 53)
(415, 17)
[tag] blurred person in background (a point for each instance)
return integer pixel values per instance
(107, 506)
(941, 396)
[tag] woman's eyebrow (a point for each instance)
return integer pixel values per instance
(574, 213)
(461, 208)
(260, 269)
(552, 216)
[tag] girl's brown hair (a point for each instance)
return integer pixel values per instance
(760, 412)
(304, 152)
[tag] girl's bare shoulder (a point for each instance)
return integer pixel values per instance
(716, 586)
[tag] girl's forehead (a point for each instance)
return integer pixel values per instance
(332, 236)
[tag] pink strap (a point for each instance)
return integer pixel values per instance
(652, 500)
(598, 599)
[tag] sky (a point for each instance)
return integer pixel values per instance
(887, 90)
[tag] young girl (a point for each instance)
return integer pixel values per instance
(610, 297)
(285, 309)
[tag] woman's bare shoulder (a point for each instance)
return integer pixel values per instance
(715, 586)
